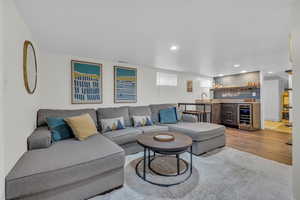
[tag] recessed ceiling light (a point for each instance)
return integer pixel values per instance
(220, 74)
(270, 72)
(174, 48)
(243, 71)
(237, 65)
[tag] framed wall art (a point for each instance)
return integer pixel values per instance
(189, 86)
(125, 85)
(86, 82)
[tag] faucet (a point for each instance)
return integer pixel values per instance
(203, 94)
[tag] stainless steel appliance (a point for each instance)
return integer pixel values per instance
(245, 116)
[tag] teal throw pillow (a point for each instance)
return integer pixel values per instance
(168, 116)
(60, 130)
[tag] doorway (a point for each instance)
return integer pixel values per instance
(277, 101)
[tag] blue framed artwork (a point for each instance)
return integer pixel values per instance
(86, 82)
(125, 86)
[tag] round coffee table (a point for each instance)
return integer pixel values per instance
(180, 144)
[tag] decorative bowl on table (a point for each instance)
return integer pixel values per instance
(164, 137)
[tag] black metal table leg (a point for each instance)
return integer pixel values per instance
(144, 171)
(204, 117)
(210, 115)
(149, 158)
(178, 164)
(191, 162)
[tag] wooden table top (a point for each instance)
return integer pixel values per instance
(181, 142)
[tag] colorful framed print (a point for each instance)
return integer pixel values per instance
(86, 82)
(189, 86)
(125, 86)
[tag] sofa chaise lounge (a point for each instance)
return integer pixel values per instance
(75, 170)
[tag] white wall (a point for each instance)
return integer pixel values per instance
(1, 105)
(296, 99)
(272, 99)
(20, 107)
(56, 84)
(262, 97)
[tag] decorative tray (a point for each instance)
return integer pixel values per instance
(164, 137)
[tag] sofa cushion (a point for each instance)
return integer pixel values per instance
(198, 131)
(154, 128)
(123, 136)
(40, 138)
(112, 124)
(63, 163)
(189, 118)
(155, 108)
(108, 113)
(60, 130)
(82, 126)
(168, 116)
(42, 114)
(139, 121)
(139, 111)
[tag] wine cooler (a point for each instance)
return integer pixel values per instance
(245, 116)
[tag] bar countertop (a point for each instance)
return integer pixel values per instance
(213, 101)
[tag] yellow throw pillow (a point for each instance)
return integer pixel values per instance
(82, 126)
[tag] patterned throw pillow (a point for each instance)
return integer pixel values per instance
(139, 121)
(112, 124)
(60, 130)
(179, 113)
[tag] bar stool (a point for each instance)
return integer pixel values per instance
(203, 113)
(205, 118)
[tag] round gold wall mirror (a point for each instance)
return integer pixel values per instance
(29, 67)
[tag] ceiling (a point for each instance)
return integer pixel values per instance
(212, 35)
(276, 75)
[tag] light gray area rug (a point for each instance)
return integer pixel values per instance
(224, 174)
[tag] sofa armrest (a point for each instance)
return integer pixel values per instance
(39, 139)
(189, 118)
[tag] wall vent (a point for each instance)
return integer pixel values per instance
(123, 61)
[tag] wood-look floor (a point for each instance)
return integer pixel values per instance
(265, 143)
(277, 126)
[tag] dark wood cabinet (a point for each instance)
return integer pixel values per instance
(229, 114)
(216, 113)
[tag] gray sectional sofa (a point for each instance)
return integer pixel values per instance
(75, 170)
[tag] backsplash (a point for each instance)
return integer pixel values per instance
(237, 80)
(244, 94)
